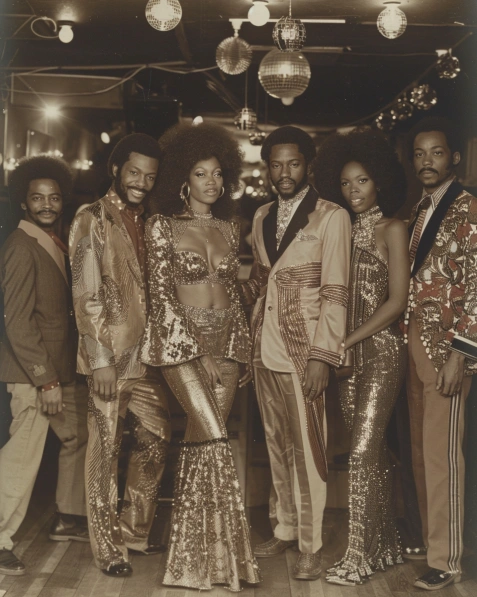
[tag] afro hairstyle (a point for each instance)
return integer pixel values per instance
(289, 135)
(182, 147)
(137, 143)
(371, 149)
(40, 167)
(454, 138)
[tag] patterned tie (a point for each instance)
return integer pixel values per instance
(416, 234)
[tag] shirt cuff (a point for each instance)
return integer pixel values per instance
(327, 356)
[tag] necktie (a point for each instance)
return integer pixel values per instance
(416, 234)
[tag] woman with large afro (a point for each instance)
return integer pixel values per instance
(362, 169)
(198, 334)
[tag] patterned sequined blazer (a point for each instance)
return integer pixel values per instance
(301, 311)
(109, 291)
(444, 279)
(171, 336)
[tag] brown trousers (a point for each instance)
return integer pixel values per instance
(437, 432)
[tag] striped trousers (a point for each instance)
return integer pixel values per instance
(437, 433)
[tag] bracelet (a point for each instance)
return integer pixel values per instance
(50, 386)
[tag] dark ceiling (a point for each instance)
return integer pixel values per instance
(360, 76)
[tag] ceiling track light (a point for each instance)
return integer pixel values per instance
(65, 33)
(259, 14)
(391, 22)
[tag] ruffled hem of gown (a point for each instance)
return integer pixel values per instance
(210, 540)
(347, 573)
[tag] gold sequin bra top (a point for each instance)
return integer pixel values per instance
(190, 267)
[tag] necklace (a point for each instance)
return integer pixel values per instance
(200, 216)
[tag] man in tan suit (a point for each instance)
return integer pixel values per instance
(109, 292)
(37, 359)
(302, 250)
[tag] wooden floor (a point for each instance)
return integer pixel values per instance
(66, 569)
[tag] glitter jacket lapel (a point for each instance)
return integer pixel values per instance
(109, 290)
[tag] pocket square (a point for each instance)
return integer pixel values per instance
(301, 236)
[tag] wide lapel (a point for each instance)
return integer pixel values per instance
(115, 213)
(430, 232)
(299, 219)
(270, 233)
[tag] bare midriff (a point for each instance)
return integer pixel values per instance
(206, 296)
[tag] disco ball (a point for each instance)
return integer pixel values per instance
(284, 74)
(392, 22)
(403, 109)
(423, 97)
(163, 15)
(385, 121)
(256, 137)
(448, 66)
(289, 34)
(246, 119)
(233, 55)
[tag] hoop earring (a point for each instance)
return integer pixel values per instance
(222, 192)
(185, 197)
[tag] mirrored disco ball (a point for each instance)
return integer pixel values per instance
(423, 97)
(163, 15)
(284, 74)
(246, 119)
(448, 66)
(256, 137)
(233, 55)
(403, 109)
(391, 22)
(385, 121)
(289, 34)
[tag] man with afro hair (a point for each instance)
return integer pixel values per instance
(38, 359)
(109, 292)
(301, 246)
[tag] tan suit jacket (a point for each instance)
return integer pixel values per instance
(38, 342)
(109, 291)
(301, 311)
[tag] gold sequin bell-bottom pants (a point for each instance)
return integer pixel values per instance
(367, 401)
(143, 402)
(210, 542)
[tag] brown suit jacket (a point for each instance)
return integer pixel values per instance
(38, 342)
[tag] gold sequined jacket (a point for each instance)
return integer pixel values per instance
(171, 336)
(109, 291)
(443, 293)
(303, 284)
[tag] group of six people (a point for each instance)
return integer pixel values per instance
(159, 302)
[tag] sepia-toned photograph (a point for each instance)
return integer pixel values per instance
(238, 298)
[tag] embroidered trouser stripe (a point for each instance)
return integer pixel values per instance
(455, 513)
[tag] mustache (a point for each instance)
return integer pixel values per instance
(285, 180)
(428, 170)
(48, 211)
(137, 189)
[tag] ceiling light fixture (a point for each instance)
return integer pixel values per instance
(392, 22)
(284, 74)
(259, 14)
(51, 111)
(163, 15)
(289, 34)
(66, 31)
(234, 54)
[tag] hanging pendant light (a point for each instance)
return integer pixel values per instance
(423, 97)
(385, 121)
(403, 109)
(163, 15)
(234, 54)
(284, 74)
(448, 66)
(289, 34)
(246, 119)
(259, 14)
(392, 22)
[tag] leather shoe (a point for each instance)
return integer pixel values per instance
(271, 548)
(118, 570)
(308, 566)
(10, 564)
(415, 553)
(151, 550)
(69, 527)
(435, 579)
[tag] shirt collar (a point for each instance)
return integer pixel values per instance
(437, 195)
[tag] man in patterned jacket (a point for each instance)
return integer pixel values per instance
(301, 247)
(109, 294)
(441, 326)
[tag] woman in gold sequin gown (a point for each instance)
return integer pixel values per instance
(197, 333)
(363, 169)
